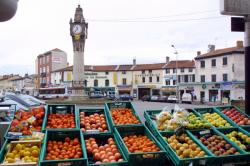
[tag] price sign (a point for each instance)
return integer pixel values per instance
(204, 132)
(179, 130)
(65, 164)
(92, 131)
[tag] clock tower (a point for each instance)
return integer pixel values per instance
(78, 32)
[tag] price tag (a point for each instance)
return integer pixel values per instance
(61, 112)
(204, 132)
(65, 164)
(92, 131)
(202, 162)
(190, 164)
(14, 135)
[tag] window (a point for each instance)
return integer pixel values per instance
(85, 83)
(193, 78)
(174, 82)
(107, 73)
(213, 62)
(203, 79)
(202, 64)
(182, 70)
(167, 82)
(224, 61)
(106, 82)
(150, 71)
(143, 71)
(143, 79)
(190, 70)
(225, 77)
(47, 60)
(158, 79)
(150, 79)
(213, 77)
(185, 78)
(167, 71)
(95, 83)
(124, 81)
(123, 72)
(174, 70)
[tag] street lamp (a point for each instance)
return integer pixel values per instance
(176, 68)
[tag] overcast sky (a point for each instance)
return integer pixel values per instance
(119, 30)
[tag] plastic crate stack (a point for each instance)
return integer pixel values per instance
(214, 136)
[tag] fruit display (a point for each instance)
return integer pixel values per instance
(184, 146)
(217, 145)
(216, 120)
(62, 150)
(195, 122)
(28, 121)
(103, 152)
(167, 121)
(241, 139)
(236, 116)
(139, 144)
(93, 122)
(61, 121)
(22, 152)
(123, 116)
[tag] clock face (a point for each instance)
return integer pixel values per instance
(77, 29)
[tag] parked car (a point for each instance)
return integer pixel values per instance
(186, 98)
(172, 99)
(154, 98)
(163, 99)
(125, 97)
(146, 98)
(96, 94)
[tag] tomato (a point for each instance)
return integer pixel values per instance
(67, 139)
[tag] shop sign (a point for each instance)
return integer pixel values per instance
(91, 74)
(190, 88)
(147, 86)
(226, 85)
(204, 86)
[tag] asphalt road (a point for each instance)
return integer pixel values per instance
(140, 106)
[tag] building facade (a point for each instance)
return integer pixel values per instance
(220, 74)
(47, 62)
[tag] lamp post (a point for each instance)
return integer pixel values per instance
(176, 75)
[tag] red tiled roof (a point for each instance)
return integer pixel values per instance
(154, 66)
(181, 64)
(221, 52)
(104, 68)
(124, 67)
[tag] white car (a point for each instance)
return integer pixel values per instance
(186, 98)
(172, 99)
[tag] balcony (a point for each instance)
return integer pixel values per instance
(43, 74)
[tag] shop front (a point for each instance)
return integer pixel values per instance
(168, 90)
(124, 89)
(144, 90)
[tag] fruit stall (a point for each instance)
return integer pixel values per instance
(60, 135)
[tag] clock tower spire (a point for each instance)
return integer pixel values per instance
(78, 32)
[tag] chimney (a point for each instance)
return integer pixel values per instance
(167, 59)
(239, 44)
(211, 48)
(134, 61)
(198, 53)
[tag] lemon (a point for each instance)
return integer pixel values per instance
(22, 153)
(18, 147)
(35, 153)
(10, 155)
(10, 160)
(26, 153)
(14, 152)
(35, 159)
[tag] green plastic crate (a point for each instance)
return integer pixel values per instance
(202, 111)
(220, 109)
(91, 111)
(101, 140)
(59, 135)
(3, 152)
(226, 131)
(186, 161)
(109, 106)
(234, 159)
(135, 159)
(60, 109)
